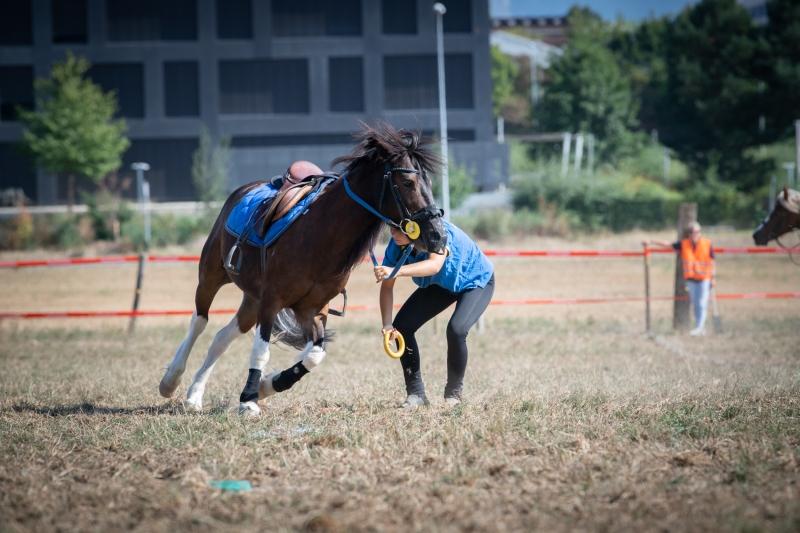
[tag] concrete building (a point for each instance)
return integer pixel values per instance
(284, 79)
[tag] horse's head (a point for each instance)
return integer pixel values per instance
(392, 167)
(784, 218)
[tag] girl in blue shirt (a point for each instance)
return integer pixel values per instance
(462, 275)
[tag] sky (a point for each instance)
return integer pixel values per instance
(608, 9)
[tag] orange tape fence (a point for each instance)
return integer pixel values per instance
(122, 259)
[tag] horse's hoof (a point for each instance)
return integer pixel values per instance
(265, 387)
(193, 405)
(249, 409)
(169, 384)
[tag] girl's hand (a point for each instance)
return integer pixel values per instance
(382, 273)
(391, 331)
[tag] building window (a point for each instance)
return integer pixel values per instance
(308, 18)
(234, 19)
(399, 17)
(170, 160)
(410, 82)
(69, 21)
(264, 86)
(307, 139)
(16, 89)
(127, 80)
(151, 20)
(458, 18)
(346, 88)
(181, 96)
(16, 23)
(17, 170)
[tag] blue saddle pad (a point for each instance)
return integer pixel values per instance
(242, 218)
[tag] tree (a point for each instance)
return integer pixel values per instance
(72, 131)
(504, 71)
(210, 168)
(587, 90)
(716, 60)
(783, 35)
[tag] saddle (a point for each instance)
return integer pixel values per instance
(291, 189)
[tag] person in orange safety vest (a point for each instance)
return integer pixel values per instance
(697, 260)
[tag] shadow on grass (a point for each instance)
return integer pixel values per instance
(86, 408)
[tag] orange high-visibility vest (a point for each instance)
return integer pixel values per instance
(697, 261)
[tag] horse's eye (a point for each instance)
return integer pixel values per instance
(408, 184)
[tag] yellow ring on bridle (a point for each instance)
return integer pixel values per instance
(412, 230)
(387, 345)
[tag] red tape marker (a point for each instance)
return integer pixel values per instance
(530, 301)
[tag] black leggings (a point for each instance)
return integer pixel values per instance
(425, 304)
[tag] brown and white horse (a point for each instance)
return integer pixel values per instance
(385, 179)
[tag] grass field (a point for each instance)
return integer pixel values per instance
(574, 419)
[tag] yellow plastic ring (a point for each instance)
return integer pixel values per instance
(412, 229)
(387, 345)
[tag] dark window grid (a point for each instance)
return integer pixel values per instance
(181, 89)
(16, 89)
(399, 17)
(69, 21)
(170, 166)
(411, 82)
(346, 88)
(309, 18)
(127, 80)
(264, 86)
(17, 170)
(151, 20)
(310, 139)
(16, 23)
(458, 18)
(234, 19)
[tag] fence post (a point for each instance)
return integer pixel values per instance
(137, 291)
(646, 256)
(681, 320)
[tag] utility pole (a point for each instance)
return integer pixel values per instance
(440, 10)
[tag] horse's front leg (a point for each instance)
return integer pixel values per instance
(308, 359)
(259, 357)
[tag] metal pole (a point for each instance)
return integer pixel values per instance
(565, 148)
(440, 10)
(646, 256)
(773, 192)
(141, 167)
(797, 151)
(578, 153)
(501, 130)
(789, 174)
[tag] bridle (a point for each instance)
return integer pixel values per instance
(409, 222)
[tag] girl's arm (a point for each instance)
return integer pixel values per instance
(386, 303)
(429, 267)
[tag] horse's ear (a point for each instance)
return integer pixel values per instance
(786, 193)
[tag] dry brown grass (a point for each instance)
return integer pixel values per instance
(574, 419)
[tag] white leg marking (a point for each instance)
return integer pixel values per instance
(313, 357)
(223, 339)
(259, 356)
(172, 376)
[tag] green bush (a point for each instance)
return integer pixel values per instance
(166, 229)
(461, 185)
(615, 201)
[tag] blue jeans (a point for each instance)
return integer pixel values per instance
(698, 295)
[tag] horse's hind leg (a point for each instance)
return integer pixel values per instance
(204, 295)
(308, 359)
(240, 324)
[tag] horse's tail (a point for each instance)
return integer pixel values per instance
(287, 331)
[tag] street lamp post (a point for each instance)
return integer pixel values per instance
(143, 196)
(440, 10)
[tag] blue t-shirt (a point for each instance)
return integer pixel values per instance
(465, 266)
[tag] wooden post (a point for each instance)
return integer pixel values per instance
(646, 256)
(681, 316)
(136, 293)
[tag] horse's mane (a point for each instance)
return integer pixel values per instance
(793, 203)
(376, 146)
